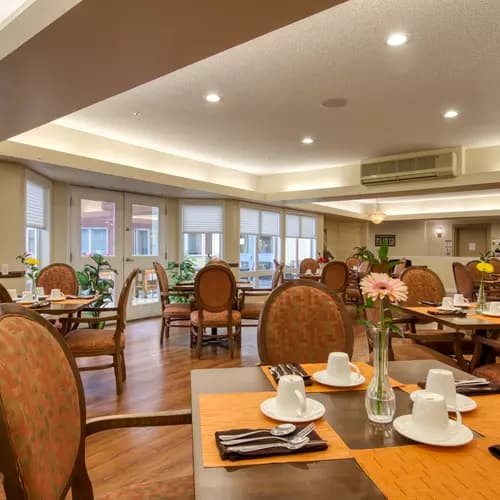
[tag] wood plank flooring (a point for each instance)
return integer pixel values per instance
(158, 378)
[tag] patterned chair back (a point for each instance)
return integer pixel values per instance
(4, 295)
(335, 276)
(59, 275)
(496, 265)
(308, 263)
(303, 321)
(215, 288)
(473, 272)
(352, 262)
(463, 280)
(162, 281)
(42, 409)
(423, 284)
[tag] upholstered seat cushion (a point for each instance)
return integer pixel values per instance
(215, 319)
(88, 341)
(177, 311)
(251, 310)
(491, 372)
(159, 490)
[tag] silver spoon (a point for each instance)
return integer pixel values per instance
(298, 438)
(279, 430)
(258, 447)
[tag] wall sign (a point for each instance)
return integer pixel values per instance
(391, 239)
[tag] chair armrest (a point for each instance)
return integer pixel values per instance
(174, 417)
(100, 309)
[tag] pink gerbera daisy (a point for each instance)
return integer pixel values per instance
(380, 285)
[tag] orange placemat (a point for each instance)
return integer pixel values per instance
(220, 412)
(365, 369)
(419, 471)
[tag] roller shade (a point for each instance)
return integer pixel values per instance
(292, 226)
(202, 219)
(307, 227)
(249, 221)
(36, 205)
(270, 223)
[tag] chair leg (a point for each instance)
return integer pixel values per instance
(231, 339)
(117, 365)
(124, 367)
(167, 328)
(162, 331)
(238, 336)
(199, 339)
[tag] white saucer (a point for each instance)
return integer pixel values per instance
(495, 315)
(55, 299)
(21, 301)
(314, 410)
(453, 308)
(464, 403)
(323, 378)
(404, 425)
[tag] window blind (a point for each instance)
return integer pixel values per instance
(307, 227)
(270, 223)
(292, 226)
(35, 205)
(202, 219)
(249, 221)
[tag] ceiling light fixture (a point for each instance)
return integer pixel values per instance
(212, 97)
(396, 39)
(451, 113)
(307, 140)
(137, 113)
(377, 216)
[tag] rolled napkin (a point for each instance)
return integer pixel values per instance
(455, 312)
(478, 390)
(315, 444)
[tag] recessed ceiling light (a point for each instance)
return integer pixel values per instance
(136, 113)
(307, 140)
(334, 102)
(451, 113)
(212, 97)
(396, 39)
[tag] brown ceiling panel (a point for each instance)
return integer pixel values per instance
(104, 47)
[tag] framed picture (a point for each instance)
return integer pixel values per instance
(390, 238)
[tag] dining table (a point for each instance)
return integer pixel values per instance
(367, 461)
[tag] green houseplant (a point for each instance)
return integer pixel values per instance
(186, 272)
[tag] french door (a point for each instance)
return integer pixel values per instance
(129, 231)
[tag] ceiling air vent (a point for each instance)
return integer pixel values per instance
(409, 168)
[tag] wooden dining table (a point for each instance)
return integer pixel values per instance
(362, 474)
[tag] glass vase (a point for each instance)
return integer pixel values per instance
(481, 298)
(380, 400)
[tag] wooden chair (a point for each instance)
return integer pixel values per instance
(42, 416)
(58, 275)
(474, 273)
(308, 263)
(496, 265)
(90, 342)
(303, 321)
(352, 262)
(335, 276)
(4, 295)
(463, 281)
(215, 292)
(220, 262)
(399, 268)
(171, 313)
(251, 310)
(491, 371)
(353, 292)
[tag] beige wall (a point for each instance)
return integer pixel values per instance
(342, 237)
(60, 227)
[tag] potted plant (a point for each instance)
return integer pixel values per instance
(186, 272)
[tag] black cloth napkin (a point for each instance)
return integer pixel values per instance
(455, 312)
(290, 369)
(316, 444)
(473, 390)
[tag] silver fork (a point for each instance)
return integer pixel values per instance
(291, 439)
(258, 447)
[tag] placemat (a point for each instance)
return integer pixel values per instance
(220, 412)
(419, 471)
(365, 369)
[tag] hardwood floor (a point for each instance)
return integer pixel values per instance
(158, 378)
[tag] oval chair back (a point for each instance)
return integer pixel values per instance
(335, 276)
(303, 321)
(423, 284)
(4, 295)
(308, 263)
(463, 280)
(58, 275)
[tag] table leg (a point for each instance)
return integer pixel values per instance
(457, 348)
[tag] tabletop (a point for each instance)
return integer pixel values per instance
(66, 306)
(345, 412)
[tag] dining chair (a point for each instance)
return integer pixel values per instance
(490, 371)
(335, 276)
(352, 262)
(43, 422)
(58, 275)
(303, 321)
(353, 292)
(474, 273)
(308, 263)
(251, 310)
(399, 268)
(215, 292)
(220, 262)
(4, 295)
(90, 342)
(171, 312)
(496, 265)
(463, 281)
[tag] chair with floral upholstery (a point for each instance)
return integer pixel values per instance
(491, 370)
(215, 293)
(58, 275)
(311, 264)
(4, 295)
(463, 281)
(352, 262)
(42, 416)
(172, 312)
(90, 342)
(335, 276)
(303, 321)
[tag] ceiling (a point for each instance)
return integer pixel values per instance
(272, 88)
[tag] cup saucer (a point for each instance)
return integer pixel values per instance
(324, 378)
(24, 301)
(460, 436)
(464, 403)
(314, 410)
(55, 299)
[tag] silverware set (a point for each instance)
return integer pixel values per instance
(289, 369)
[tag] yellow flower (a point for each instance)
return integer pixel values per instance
(31, 261)
(485, 267)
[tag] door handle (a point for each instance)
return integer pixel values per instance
(128, 259)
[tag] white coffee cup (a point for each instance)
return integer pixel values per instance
(39, 291)
(12, 293)
(430, 417)
(459, 300)
(55, 293)
(339, 367)
(27, 296)
(5, 269)
(447, 303)
(309, 271)
(291, 396)
(442, 382)
(494, 307)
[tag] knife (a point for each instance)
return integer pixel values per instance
(296, 369)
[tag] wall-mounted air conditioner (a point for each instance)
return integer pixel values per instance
(412, 167)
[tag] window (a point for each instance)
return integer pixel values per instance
(36, 220)
(202, 228)
(259, 244)
(300, 240)
(97, 222)
(94, 240)
(145, 225)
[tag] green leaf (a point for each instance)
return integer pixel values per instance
(397, 329)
